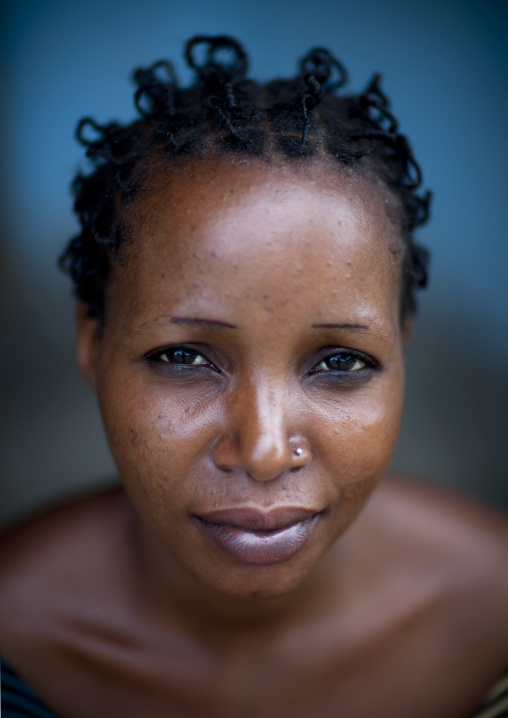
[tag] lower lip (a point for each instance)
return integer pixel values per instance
(260, 547)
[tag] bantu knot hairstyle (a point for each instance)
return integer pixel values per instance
(224, 113)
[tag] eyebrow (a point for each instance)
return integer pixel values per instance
(373, 331)
(196, 320)
(340, 326)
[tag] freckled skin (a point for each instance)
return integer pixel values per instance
(274, 270)
(120, 605)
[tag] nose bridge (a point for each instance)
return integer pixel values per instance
(265, 421)
(257, 438)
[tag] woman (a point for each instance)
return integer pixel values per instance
(245, 274)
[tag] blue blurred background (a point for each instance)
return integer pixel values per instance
(445, 64)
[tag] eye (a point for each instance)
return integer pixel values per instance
(344, 362)
(187, 357)
(179, 359)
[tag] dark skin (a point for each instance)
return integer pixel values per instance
(252, 356)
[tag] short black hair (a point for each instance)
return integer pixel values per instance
(224, 113)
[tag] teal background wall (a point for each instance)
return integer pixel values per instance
(445, 65)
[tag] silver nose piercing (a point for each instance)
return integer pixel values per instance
(298, 451)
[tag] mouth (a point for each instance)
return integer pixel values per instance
(259, 538)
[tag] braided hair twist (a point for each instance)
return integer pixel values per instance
(225, 112)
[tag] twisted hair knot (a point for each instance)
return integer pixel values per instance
(221, 113)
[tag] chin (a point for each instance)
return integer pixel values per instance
(260, 583)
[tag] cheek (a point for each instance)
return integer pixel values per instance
(357, 436)
(160, 441)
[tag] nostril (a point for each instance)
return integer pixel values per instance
(294, 469)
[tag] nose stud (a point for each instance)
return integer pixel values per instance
(300, 452)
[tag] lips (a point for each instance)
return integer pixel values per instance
(261, 538)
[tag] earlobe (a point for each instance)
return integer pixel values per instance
(87, 341)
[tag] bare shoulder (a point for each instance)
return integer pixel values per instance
(443, 559)
(56, 529)
(443, 518)
(455, 540)
(53, 557)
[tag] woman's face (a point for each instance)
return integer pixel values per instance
(250, 370)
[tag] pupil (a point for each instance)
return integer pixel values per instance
(342, 362)
(181, 356)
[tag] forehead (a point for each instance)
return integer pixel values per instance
(264, 229)
(222, 196)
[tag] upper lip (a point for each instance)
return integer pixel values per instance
(255, 519)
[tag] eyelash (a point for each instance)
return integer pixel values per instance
(320, 368)
(344, 356)
(156, 358)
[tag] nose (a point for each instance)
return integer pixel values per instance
(257, 435)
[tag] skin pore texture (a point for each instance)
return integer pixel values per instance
(189, 441)
(250, 376)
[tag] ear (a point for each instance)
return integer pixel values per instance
(406, 332)
(87, 343)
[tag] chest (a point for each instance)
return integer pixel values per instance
(403, 674)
